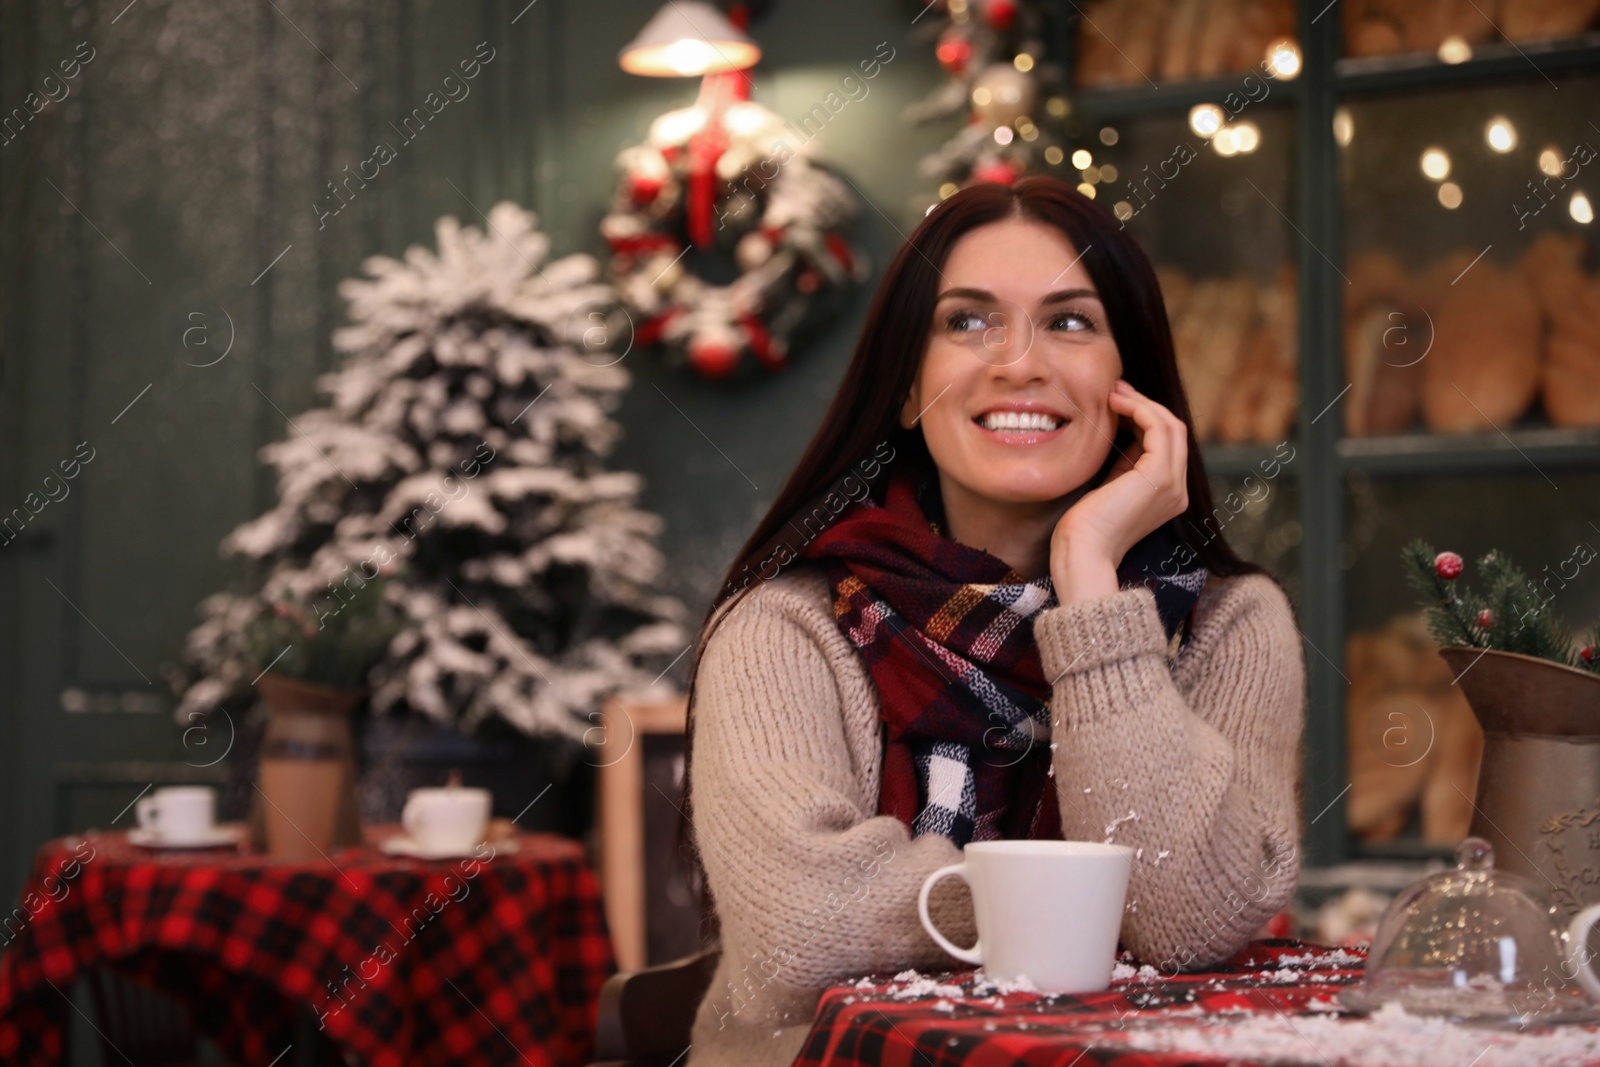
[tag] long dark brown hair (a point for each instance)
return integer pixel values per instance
(865, 410)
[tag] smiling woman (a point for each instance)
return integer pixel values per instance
(1022, 631)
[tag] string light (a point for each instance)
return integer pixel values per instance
(1454, 49)
(1283, 58)
(1344, 127)
(1108, 135)
(1205, 119)
(1054, 156)
(1087, 190)
(1550, 162)
(1580, 209)
(1239, 138)
(1081, 159)
(1450, 195)
(1436, 164)
(1500, 134)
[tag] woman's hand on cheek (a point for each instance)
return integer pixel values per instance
(1145, 487)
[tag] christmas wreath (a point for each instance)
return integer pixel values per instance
(724, 238)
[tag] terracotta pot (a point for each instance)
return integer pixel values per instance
(1538, 797)
(305, 801)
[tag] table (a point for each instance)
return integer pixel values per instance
(1273, 1002)
(493, 959)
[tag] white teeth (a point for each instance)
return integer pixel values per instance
(1019, 420)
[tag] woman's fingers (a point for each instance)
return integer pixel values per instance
(1155, 432)
(1164, 436)
(1177, 431)
(1128, 457)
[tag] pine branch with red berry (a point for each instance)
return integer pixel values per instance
(1450, 616)
(1509, 615)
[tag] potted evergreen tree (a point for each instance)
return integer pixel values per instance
(313, 677)
(1536, 693)
(463, 443)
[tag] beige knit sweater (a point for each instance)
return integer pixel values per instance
(1195, 767)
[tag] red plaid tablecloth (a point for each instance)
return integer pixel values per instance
(496, 959)
(885, 1022)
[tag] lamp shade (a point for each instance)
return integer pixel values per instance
(687, 38)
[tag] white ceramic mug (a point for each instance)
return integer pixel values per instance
(178, 813)
(1578, 949)
(1047, 911)
(447, 819)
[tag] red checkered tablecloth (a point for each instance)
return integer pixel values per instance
(495, 959)
(928, 1021)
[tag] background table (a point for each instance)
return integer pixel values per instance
(1276, 984)
(403, 961)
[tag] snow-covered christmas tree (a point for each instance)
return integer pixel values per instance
(462, 452)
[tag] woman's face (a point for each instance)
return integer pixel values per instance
(1020, 360)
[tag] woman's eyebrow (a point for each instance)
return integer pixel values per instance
(1061, 296)
(1057, 297)
(967, 294)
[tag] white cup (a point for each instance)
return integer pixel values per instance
(1047, 911)
(447, 819)
(179, 813)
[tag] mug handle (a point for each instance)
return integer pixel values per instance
(1578, 948)
(970, 955)
(147, 813)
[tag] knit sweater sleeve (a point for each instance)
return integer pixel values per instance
(809, 883)
(1195, 769)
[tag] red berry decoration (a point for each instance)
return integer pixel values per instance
(953, 52)
(1447, 565)
(1485, 618)
(1587, 653)
(713, 359)
(995, 172)
(643, 188)
(1000, 14)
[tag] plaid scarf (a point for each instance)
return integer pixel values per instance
(946, 631)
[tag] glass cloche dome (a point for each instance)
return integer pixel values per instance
(1477, 945)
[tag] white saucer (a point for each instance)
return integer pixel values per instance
(404, 845)
(213, 838)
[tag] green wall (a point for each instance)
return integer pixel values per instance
(173, 189)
